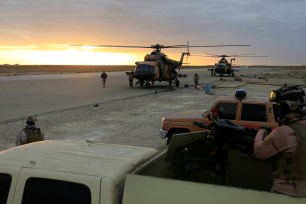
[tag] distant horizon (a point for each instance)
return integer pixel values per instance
(119, 65)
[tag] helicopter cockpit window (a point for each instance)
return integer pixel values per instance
(220, 66)
(145, 68)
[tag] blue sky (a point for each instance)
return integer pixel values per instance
(275, 28)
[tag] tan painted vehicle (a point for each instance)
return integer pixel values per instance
(249, 112)
(73, 172)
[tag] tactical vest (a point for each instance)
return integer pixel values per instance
(33, 135)
(292, 165)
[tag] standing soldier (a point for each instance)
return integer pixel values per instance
(103, 77)
(287, 141)
(196, 80)
(30, 133)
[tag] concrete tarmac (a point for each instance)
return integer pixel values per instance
(34, 94)
(26, 95)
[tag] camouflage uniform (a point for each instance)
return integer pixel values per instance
(30, 133)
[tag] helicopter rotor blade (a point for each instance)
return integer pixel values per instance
(236, 55)
(200, 55)
(124, 46)
(157, 46)
(251, 56)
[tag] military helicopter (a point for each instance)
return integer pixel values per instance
(225, 67)
(156, 66)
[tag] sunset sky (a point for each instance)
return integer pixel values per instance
(40, 31)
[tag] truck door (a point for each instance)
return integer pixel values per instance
(253, 115)
(227, 110)
(35, 186)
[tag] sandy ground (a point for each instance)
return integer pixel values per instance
(136, 121)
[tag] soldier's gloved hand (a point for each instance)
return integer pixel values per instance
(267, 128)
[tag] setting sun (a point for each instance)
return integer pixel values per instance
(66, 57)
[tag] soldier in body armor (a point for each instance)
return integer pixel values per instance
(286, 144)
(30, 133)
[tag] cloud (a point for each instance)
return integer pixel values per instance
(274, 26)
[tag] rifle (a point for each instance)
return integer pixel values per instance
(229, 135)
(211, 153)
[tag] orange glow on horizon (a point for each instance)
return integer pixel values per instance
(65, 57)
(83, 55)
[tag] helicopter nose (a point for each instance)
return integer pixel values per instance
(144, 72)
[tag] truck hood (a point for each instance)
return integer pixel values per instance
(183, 116)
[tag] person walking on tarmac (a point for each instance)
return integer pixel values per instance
(30, 133)
(103, 77)
(286, 144)
(196, 80)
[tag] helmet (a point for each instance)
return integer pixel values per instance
(31, 120)
(289, 99)
(288, 93)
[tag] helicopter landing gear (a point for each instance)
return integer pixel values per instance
(131, 83)
(170, 84)
(141, 82)
(147, 85)
(177, 83)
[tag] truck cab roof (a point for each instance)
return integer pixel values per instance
(78, 157)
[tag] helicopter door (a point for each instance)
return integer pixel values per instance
(165, 72)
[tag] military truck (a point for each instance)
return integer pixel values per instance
(86, 172)
(250, 112)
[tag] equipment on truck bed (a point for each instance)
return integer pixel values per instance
(210, 151)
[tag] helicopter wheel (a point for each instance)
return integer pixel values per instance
(147, 85)
(170, 84)
(141, 83)
(177, 83)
